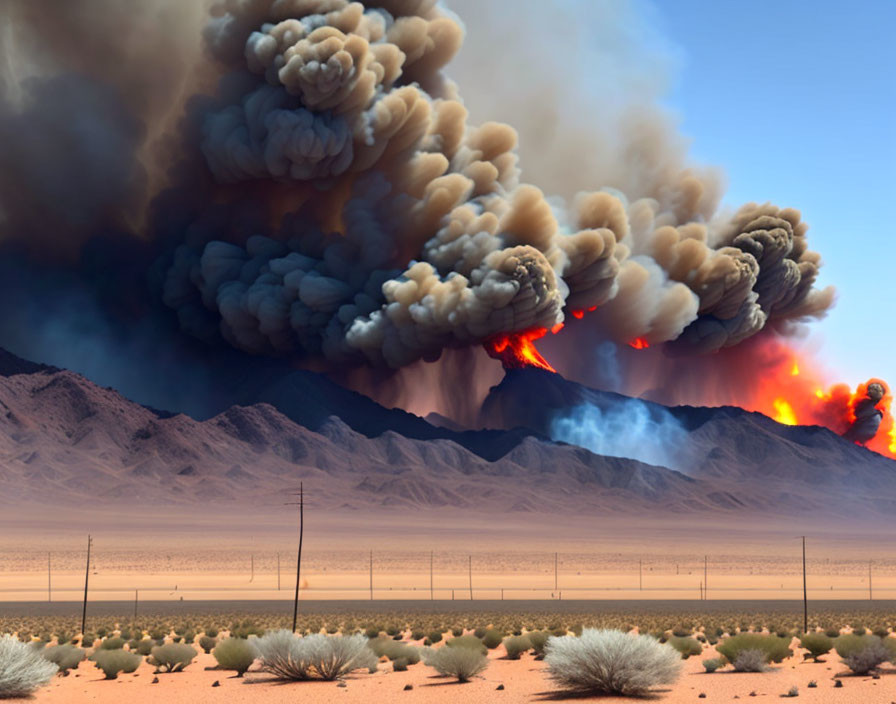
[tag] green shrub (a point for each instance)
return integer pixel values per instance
(480, 632)
(145, 646)
(172, 657)
(832, 632)
(471, 642)
(399, 665)
(686, 646)
(457, 631)
(862, 653)
(817, 644)
(774, 649)
(516, 646)
(235, 654)
(113, 643)
(372, 631)
(418, 635)
(64, 637)
(211, 632)
(384, 646)
(66, 656)
(435, 636)
(114, 661)
(207, 643)
(539, 640)
(392, 631)
(460, 662)
(492, 638)
(713, 664)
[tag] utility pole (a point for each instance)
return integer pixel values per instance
(705, 578)
(471, 577)
(278, 571)
(136, 596)
(805, 592)
(640, 576)
(371, 575)
(49, 581)
(555, 572)
(86, 579)
(301, 504)
(431, 590)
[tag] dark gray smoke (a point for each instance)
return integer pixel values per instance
(323, 195)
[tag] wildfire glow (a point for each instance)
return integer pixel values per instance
(795, 369)
(639, 343)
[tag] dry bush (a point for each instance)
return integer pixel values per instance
(750, 660)
(22, 669)
(611, 662)
(292, 657)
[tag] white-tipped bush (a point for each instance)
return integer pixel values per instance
(22, 669)
(460, 662)
(611, 662)
(293, 657)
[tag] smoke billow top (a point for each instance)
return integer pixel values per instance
(327, 198)
(396, 229)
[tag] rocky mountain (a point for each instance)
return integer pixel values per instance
(66, 441)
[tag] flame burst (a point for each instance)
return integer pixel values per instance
(792, 393)
(639, 343)
(517, 350)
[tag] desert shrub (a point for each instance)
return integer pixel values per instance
(611, 662)
(435, 636)
(113, 643)
(686, 646)
(459, 662)
(372, 631)
(244, 629)
(713, 664)
(66, 657)
(682, 631)
(211, 632)
(516, 646)
(63, 637)
(22, 670)
(539, 640)
(457, 631)
(794, 691)
(394, 650)
(862, 653)
(492, 638)
(207, 643)
(774, 649)
(881, 631)
(301, 658)
(144, 646)
(172, 657)
(471, 642)
(113, 661)
(832, 632)
(418, 635)
(400, 665)
(817, 644)
(393, 631)
(750, 660)
(235, 654)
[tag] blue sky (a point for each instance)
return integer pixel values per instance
(796, 101)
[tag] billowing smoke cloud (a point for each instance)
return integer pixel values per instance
(328, 199)
(402, 230)
(629, 429)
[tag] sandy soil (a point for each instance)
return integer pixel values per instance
(524, 680)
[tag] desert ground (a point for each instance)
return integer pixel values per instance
(524, 680)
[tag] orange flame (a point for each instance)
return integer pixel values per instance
(639, 343)
(517, 350)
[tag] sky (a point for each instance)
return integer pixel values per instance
(796, 101)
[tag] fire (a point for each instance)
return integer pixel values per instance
(792, 393)
(784, 412)
(639, 343)
(517, 350)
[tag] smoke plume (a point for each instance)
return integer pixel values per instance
(302, 179)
